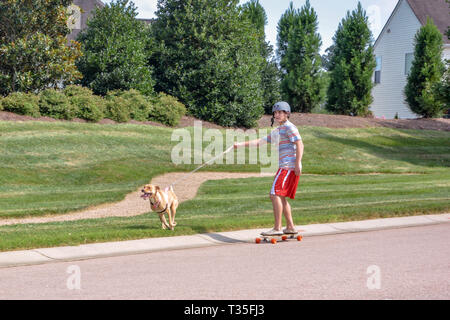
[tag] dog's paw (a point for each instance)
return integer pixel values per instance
(163, 225)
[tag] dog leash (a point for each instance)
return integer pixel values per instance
(198, 168)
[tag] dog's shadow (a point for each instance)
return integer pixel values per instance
(141, 227)
(203, 233)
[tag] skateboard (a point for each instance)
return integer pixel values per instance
(282, 237)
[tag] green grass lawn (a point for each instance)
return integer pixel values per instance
(233, 204)
(60, 167)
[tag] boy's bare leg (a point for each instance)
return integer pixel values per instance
(287, 214)
(277, 204)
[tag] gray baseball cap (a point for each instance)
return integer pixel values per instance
(281, 106)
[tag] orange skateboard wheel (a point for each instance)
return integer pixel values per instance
(273, 240)
(299, 238)
(258, 240)
(284, 238)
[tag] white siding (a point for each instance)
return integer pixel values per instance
(392, 47)
(446, 54)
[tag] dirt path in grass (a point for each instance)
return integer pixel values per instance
(133, 205)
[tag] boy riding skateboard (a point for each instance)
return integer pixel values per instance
(290, 149)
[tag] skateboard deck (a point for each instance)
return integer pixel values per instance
(282, 237)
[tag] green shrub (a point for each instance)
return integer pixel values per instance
(53, 103)
(88, 106)
(21, 103)
(167, 110)
(116, 107)
(122, 106)
(139, 105)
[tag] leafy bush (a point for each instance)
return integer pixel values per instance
(125, 105)
(167, 110)
(88, 106)
(21, 103)
(215, 70)
(116, 108)
(54, 103)
(115, 50)
(138, 104)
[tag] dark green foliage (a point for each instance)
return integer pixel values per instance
(327, 57)
(21, 103)
(426, 72)
(115, 50)
(351, 66)
(53, 103)
(270, 82)
(255, 12)
(299, 43)
(442, 89)
(270, 74)
(207, 56)
(33, 46)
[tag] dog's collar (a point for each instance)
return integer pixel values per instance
(157, 204)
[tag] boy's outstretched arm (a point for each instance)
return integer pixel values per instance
(298, 157)
(252, 143)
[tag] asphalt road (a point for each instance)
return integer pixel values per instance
(405, 263)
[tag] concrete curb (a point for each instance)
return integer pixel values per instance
(109, 249)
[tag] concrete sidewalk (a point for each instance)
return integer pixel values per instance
(97, 250)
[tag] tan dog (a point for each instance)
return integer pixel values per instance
(162, 202)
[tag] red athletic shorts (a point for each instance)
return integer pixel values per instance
(285, 183)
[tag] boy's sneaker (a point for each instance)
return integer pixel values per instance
(289, 231)
(272, 232)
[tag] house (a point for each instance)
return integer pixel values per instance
(81, 11)
(394, 52)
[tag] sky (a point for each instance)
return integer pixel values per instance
(329, 12)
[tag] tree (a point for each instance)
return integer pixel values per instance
(327, 57)
(426, 72)
(208, 57)
(115, 47)
(299, 43)
(270, 76)
(254, 12)
(351, 66)
(34, 53)
(443, 88)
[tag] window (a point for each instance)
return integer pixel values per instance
(378, 70)
(409, 57)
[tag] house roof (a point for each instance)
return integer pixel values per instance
(438, 10)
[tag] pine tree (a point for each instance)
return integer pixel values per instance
(300, 59)
(351, 66)
(426, 72)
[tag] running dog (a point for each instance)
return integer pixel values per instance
(162, 202)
